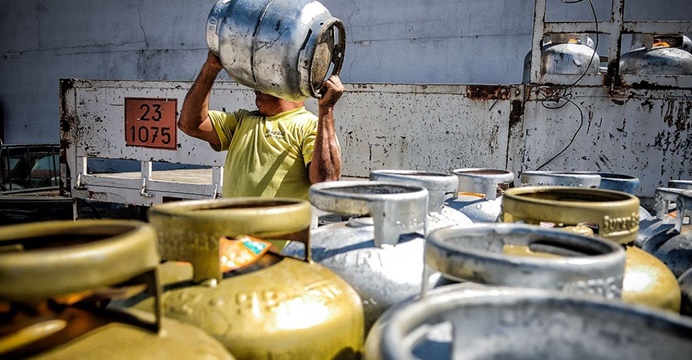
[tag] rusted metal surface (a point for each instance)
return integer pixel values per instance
(644, 133)
(488, 92)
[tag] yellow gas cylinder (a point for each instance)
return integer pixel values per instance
(278, 307)
(649, 281)
(615, 216)
(55, 278)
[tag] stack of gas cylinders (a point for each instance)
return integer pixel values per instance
(649, 54)
(471, 263)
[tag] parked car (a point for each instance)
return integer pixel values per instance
(29, 166)
(30, 189)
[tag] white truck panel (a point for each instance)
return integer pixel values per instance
(641, 132)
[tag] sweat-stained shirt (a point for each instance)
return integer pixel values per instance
(267, 155)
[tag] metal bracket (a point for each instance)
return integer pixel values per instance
(146, 176)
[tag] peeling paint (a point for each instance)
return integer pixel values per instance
(487, 92)
(516, 113)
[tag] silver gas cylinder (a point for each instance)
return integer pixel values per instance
(479, 195)
(672, 242)
(519, 255)
(276, 307)
(441, 187)
(685, 281)
(680, 184)
(516, 323)
(379, 255)
(57, 276)
(657, 229)
(568, 54)
(623, 183)
(560, 178)
(665, 224)
(685, 185)
(618, 182)
(284, 48)
(657, 55)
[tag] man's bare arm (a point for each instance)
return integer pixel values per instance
(326, 158)
(194, 115)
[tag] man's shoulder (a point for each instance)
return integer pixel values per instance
(242, 113)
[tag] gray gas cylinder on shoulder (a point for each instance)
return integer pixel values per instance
(57, 276)
(285, 48)
(479, 195)
(442, 187)
(381, 254)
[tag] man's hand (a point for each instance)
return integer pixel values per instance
(326, 156)
(332, 89)
(213, 62)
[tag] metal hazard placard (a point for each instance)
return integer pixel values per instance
(151, 123)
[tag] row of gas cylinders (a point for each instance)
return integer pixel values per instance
(429, 265)
(575, 54)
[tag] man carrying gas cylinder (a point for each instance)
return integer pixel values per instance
(278, 150)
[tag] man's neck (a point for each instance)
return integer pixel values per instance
(283, 106)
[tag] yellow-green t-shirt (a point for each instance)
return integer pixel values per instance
(267, 155)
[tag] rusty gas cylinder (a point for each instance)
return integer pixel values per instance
(615, 216)
(54, 279)
(479, 195)
(379, 250)
(461, 322)
(278, 306)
